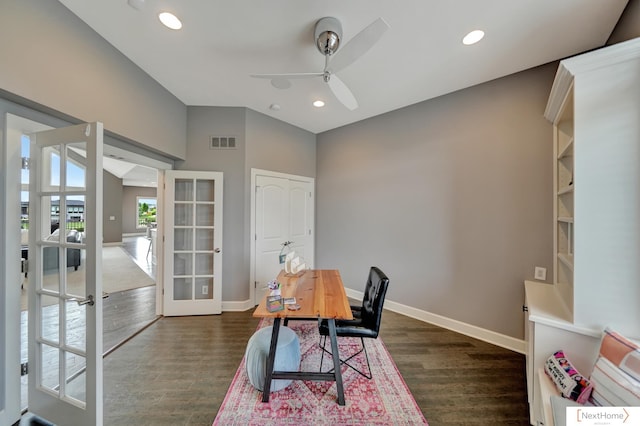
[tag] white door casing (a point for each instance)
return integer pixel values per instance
(193, 242)
(65, 303)
(282, 211)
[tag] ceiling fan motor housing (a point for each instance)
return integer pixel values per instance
(328, 33)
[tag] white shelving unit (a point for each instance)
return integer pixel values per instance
(594, 107)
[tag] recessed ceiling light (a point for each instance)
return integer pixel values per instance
(170, 20)
(318, 104)
(473, 37)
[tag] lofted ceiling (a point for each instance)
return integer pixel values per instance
(209, 61)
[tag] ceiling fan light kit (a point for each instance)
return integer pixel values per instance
(327, 37)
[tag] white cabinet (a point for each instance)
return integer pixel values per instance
(595, 110)
(547, 331)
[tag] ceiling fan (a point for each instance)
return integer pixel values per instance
(328, 35)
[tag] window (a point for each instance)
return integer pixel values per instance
(147, 209)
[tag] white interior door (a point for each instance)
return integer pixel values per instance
(284, 207)
(193, 243)
(65, 275)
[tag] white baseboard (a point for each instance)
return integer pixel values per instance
(116, 243)
(239, 306)
(488, 336)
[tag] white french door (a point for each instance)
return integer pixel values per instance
(193, 242)
(65, 275)
(283, 209)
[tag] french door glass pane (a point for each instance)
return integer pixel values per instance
(51, 268)
(205, 190)
(75, 377)
(75, 332)
(183, 215)
(50, 319)
(204, 239)
(184, 190)
(182, 264)
(51, 168)
(204, 264)
(76, 278)
(50, 368)
(204, 288)
(182, 288)
(51, 222)
(183, 239)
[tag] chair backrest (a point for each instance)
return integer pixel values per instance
(373, 300)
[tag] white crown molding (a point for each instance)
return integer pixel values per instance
(570, 67)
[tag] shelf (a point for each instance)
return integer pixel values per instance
(567, 151)
(565, 190)
(565, 219)
(567, 259)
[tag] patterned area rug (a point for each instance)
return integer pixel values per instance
(383, 400)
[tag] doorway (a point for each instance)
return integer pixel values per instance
(282, 220)
(142, 300)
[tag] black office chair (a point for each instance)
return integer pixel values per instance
(366, 318)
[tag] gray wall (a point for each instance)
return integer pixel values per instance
(129, 210)
(450, 197)
(112, 200)
(279, 147)
(202, 123)
(262, 142)
(58, 63)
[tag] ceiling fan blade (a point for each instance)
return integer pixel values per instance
(288, 75)
(342, 92)
(358, 45)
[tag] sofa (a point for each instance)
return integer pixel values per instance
(50, 258)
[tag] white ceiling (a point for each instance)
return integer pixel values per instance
(420, 57)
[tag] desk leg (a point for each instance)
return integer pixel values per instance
(336, 360)
(266, 390)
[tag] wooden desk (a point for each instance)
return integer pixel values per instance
(320, 294)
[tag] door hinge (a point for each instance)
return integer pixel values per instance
(24, 369)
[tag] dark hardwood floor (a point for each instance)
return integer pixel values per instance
(456, 379)
(177, 371)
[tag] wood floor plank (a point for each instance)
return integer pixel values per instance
(178, 371)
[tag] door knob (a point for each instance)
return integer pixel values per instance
(88, 301)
